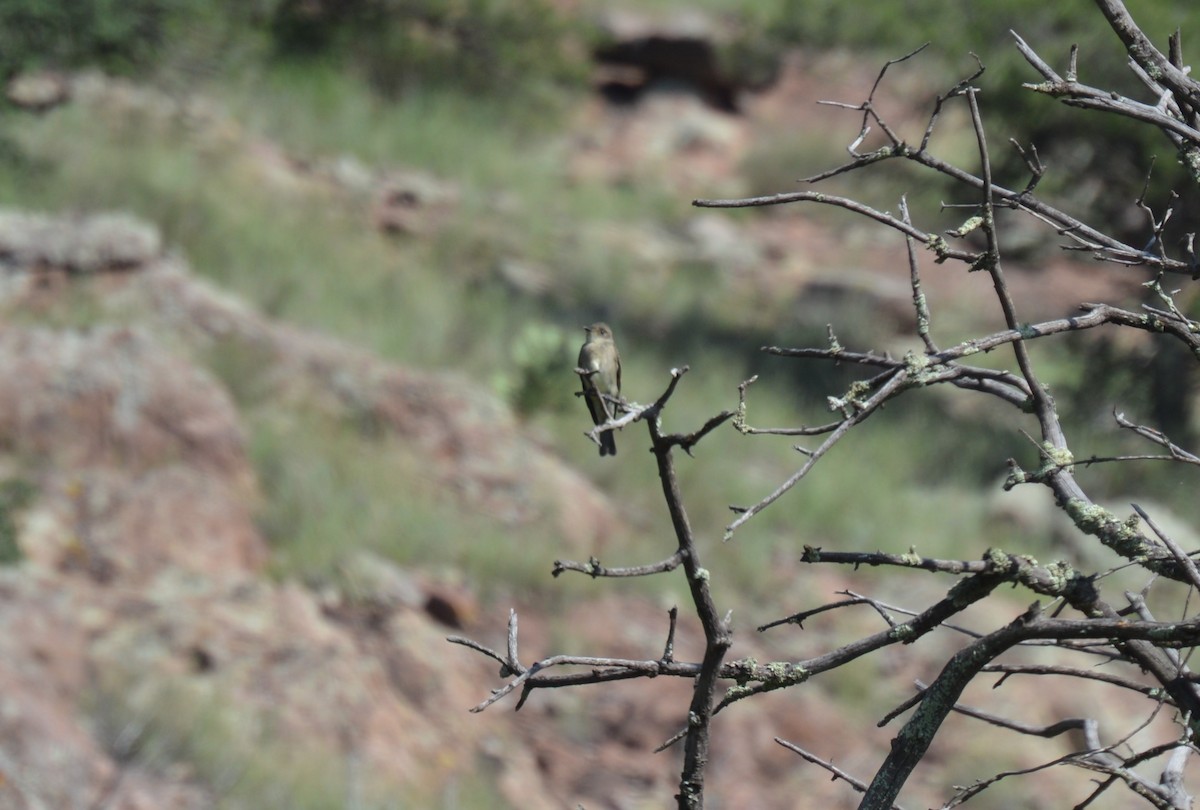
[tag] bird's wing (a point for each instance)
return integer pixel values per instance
(596, 405)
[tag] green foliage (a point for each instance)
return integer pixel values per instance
(15, 495)
(119, 35)
(481, 46)
(541, 359)
(979, 27)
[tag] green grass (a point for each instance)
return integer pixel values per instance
(333, 488)
(311, 261)
(316, 111)
(314, 258)
(159, 723)
(15, 495)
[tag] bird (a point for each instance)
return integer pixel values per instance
(599, 370)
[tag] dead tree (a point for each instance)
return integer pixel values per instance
(1072, 609)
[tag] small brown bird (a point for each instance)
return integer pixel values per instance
(602, 362)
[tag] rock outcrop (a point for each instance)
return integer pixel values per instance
(141, 629)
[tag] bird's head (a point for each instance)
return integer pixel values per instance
(598, 331)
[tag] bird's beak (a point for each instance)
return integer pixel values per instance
(587, 329)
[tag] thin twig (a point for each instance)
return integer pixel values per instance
(837, 772)
(1177, 552)
(594, 569)
(892, 387)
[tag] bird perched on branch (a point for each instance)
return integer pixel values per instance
(600, 372)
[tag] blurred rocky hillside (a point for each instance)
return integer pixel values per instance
(149, 658)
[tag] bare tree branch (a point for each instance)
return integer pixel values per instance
(1170, 75)
(1146, 659)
